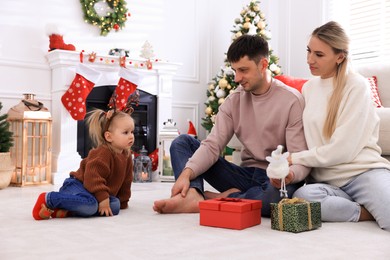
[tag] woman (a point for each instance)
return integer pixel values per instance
(349, 176)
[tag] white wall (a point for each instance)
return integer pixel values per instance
(297, 19)
(195, 33)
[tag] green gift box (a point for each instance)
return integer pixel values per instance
(295, 215)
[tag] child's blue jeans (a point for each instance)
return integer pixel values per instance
(73, 197)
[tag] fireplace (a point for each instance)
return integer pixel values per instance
(144, 115)
(156, 81)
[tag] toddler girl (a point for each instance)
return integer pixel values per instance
(101, 185)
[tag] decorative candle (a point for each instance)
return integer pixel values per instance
(144, 176)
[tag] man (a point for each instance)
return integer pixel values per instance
(263, 113)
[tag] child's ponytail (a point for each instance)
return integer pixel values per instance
(96, 124)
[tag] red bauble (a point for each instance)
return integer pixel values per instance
(154, 157)
(116, 27)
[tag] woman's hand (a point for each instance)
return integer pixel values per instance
(289, 160)
(277, 183)
(104, 208)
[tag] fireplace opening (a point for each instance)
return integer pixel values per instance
(144, 115)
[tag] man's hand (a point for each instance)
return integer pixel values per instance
(104, 208)
(182, 183)
(277, 182)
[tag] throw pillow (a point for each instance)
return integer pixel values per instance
(296, 83)
(372, 81)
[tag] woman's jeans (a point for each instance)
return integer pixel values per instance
(370, 189)
(73, 197)
(252, 182)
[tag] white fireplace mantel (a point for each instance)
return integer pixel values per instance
(157, 81)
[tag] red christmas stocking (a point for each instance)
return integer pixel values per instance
(127, 84)
(74, 98)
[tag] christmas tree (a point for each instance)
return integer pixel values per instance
(5, 134)
(147, 51)
(251, 21)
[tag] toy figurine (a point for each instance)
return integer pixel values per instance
(278, 167)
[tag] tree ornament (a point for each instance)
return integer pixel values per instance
(212, 119)
(122, 61)
(223, 83)
(147, 51)
(252, 29)
(92, 57)
(149, 65)
(208, 110)
(261, 25)
(221, 93)
(106, 14)
(247, 25)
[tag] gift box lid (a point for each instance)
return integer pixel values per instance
(230, 205)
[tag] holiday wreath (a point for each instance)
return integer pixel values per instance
(106, 14)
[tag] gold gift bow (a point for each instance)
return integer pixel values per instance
(293, 201)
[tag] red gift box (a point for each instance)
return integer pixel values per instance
(230, 213)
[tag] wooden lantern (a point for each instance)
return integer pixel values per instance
(31, 125)
(168, 133)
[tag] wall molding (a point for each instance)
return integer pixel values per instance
(24, 64)
(191, 106)
(187, 111)
(194, 76)
(19, 95)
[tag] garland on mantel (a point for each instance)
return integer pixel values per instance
(106, 14)
(121, 61)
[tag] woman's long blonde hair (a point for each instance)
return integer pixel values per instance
(334, 35)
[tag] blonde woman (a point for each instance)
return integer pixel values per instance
(349, 176)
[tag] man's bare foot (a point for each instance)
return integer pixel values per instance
(365, 215)
(216, 195)
(179, 204)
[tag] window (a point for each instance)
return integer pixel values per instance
(368, 25)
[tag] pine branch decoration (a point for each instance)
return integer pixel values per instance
(108, 15)
(6, 140)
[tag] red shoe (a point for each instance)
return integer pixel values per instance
(40, 210)
(59, 213)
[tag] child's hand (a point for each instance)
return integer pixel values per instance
(104, 208)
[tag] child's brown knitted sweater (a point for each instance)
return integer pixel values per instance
(105, 173)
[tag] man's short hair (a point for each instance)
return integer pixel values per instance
(253, 46)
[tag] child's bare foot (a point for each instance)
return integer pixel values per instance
(179, 204)
(215, 195)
